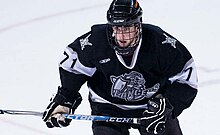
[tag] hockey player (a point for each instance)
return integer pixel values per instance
(132, 69)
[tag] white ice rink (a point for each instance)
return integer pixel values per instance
(34, 33)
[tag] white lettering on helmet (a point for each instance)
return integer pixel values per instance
(118, 21)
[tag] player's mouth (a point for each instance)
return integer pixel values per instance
(123, 42)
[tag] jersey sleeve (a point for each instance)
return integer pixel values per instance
(179, 68)
(182, 88)
(76, 66)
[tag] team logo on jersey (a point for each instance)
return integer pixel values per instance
(131, 87)
(169, 40)
(84, 42)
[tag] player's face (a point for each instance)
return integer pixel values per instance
(125, 35)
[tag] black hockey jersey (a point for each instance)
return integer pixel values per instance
(160, 64)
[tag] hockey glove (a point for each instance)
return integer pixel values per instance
(59, 105)
(155, 116)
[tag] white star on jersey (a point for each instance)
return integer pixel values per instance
(169, 40)
(84, 42)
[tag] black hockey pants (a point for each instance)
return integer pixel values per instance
(103, 128)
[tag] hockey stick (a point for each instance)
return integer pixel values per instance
(77, 116)
(17, 112)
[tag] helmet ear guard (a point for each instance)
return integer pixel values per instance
(124, 13)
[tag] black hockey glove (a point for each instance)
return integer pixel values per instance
(155, 116)
(59, 105)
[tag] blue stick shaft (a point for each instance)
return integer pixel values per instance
(103, 118)
(77, 116)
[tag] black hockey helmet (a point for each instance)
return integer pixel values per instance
(124, 13)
